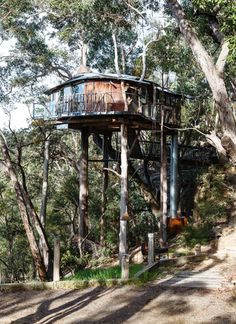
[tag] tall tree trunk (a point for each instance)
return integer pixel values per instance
(44, 194)
(22, 198)
(84, 52)
(214, 75)
(116, 58)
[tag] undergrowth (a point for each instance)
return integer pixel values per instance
(198, 234)
(104, 273)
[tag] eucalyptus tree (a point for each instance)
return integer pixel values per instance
(88, 28)
(221, 22)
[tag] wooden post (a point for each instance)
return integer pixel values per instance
(124, 191)
(83, 184)
(104, 189)
(151, 249)
(56, 260)
(163, 184)
(125, 266)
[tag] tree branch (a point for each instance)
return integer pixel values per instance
(144, 55)
(139, 13)
(116, 54)
(113, 171)
(220, 64)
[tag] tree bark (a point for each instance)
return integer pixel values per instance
(214, 75)
(116, 58)
(44, 194)
(23, 207)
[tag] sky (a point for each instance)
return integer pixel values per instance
(20, 117)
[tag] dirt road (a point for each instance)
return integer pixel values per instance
(128, 304)
(166, 303)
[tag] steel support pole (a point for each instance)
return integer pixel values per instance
(163, 185)
(174, 176)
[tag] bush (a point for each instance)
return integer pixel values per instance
(198, 234)
(72, 263)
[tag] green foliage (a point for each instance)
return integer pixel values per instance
(224, 13)
(196, 234)
(105, 273)
(214, 198)
(213, 203)
(71, 262)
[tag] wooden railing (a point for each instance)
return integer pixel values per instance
(98, 103)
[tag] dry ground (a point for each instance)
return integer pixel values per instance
(128, 304)
(151, 303)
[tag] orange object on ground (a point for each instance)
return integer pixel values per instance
(175, 225)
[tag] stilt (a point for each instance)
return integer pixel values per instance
(151, 249)
(104, 189)
(56, 260)
(83, 184)
(174, 176)
(124, 191)
(163, 186)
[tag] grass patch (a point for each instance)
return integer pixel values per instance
(104, 273)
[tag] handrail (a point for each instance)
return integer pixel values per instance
(104, 102)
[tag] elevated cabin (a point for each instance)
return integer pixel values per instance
(106, 103)
(106, 98)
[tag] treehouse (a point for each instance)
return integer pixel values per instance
(106, 103)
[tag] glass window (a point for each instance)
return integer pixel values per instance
(79, 88)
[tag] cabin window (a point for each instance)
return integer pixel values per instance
(79, 88)
(79, 98)
(52, 105)
(144, 96)
(167, 100)
(67, 93)
(67, 99)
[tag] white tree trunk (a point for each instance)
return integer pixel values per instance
(214, 75)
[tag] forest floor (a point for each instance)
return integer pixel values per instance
(205, 300)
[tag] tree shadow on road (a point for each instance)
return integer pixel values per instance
(115, 307)
(48, 315)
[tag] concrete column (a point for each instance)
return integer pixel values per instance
(123, 191)
(174, 176)
(56, 260)
(151, 249)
